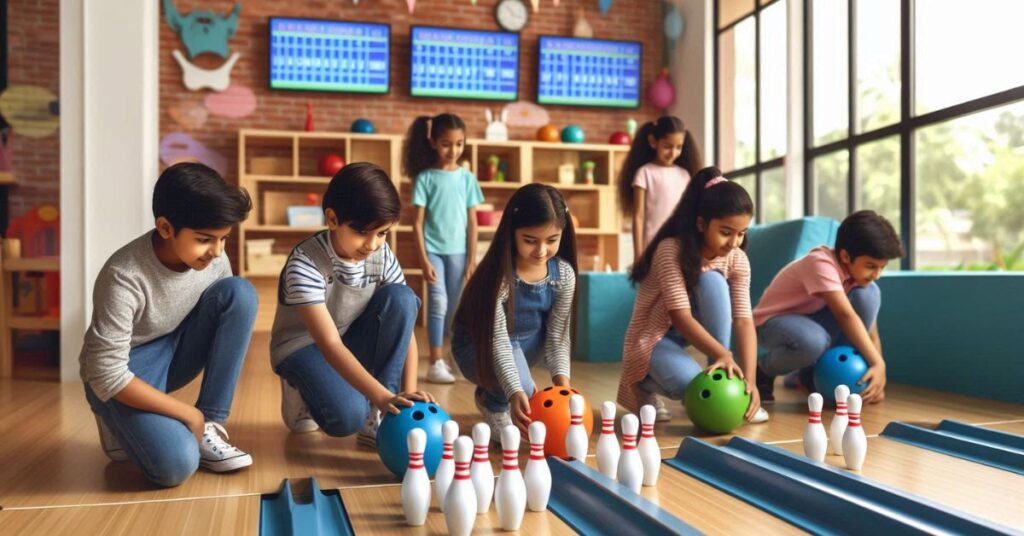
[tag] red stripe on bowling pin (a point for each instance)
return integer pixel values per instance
(628, 441)
(815, 417)
(510, 460)
(854, 420)
(648, 430)
(840, 409)
(415, 460)
(536, 451)
(461, 470)
(576, 419)
(480, 453)
(448, 453)
(607, 425)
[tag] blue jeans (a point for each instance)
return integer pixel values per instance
(672, 367)
(379, 338)
(212, 339)
(793, 341)
(525, 353)
(443, 296)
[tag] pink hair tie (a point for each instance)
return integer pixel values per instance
(715, 181)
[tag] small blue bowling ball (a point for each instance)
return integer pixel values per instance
(839, 365)
(573, 134)
(391, 436)
(363, 126)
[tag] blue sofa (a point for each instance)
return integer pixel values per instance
(953, 331)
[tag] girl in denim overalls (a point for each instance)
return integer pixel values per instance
(518, 305)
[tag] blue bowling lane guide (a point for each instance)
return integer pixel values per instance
(325, 55)
(589, 72)
(464, 64)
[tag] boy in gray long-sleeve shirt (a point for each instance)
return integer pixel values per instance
(165, 308)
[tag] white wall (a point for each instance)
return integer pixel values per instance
(109, 139)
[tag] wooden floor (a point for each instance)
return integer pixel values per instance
(56, 480)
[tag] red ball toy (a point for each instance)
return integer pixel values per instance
(330, 164)
(619, 138)
(551, 406)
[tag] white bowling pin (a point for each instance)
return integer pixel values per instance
(481, 471)
(416, 483)
(815, 439)
(838, 425)
(608, 444)
(576, 440)
(631, 470)
(460, 501)
(650, 454)
(446, 469)
(510, 492)
(855, 444)
(538, 474)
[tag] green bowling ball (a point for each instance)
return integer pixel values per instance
(715, 403)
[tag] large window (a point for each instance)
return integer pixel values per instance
(925, 128)
(751, 100)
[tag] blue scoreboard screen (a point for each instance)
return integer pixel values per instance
(589, 72)
(464, 64)
(323, 55)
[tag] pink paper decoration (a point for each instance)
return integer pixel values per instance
(526, 114)
(661, 92)
(235, 101)
(411, 4)
(180, 147)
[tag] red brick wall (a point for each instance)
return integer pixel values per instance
(33, 58)
(392, 113)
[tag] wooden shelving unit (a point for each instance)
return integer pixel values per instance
(279, 168)
(11, 263)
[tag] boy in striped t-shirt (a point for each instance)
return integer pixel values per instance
(343, 331)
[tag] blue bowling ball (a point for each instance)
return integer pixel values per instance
(573, 134)
(391, 436)
(839, 365)
(363, 126)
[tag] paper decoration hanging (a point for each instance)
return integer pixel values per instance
(189, 115)
(673, 24)
(235, 102)
(605, 6)
(411, 4)
(526, 114)
(203, 30)
(581, 28)
(535, 4)
(662, 93)
(28, 110)
(196, 78)
(180, 147)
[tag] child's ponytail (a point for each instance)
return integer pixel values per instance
(640, 154)
(690, 158)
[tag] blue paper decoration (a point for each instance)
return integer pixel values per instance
(673, 24)
(203, 30)
(605, 6)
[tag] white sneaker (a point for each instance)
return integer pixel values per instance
(367, 435)
(440, 373)
(111, 446)
(760, 416)
(661, 413)
(216, 454)
(294, 411)
(497, 420)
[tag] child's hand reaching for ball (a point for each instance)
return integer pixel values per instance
(519, 406)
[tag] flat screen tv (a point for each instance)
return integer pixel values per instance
(329, 55)
(589, 72)
(463, 64)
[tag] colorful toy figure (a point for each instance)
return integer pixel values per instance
(494, 171)
(588, 171)
(203, 30)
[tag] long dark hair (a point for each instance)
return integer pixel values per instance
(530, 206)
(417, 153)
(641, 153)
(721, 200)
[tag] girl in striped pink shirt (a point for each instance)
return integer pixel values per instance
(694, 282)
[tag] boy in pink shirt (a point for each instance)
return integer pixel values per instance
(827, 298)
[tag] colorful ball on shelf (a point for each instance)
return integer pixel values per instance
(547, 133)
(330, 164)
(573, 134)
(619, 138)
(363, 126)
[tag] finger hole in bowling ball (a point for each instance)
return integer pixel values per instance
(548, 403)
(705, 394)
(432, 409)
(549, 388)
(417, 415)
(843, 358)
(574, 390)
(564, 392)
(717, 376)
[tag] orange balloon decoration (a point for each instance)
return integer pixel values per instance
(549, 133)
(551, 406)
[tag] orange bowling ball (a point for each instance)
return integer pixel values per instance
(549, 133)
(551, 406)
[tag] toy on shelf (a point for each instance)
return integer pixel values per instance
(547, 133)
(566, 174)
(331, 164)
(497, 128)
(573, 134)
(619, 138)
(631, 127)
(39, 234)
(363, 126)
(309, 117)
(588, 171)
(310, 215)
(494, 171)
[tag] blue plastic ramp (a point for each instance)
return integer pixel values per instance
(595, 505)
(982, 445)
(319, 513)
(816, 497)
